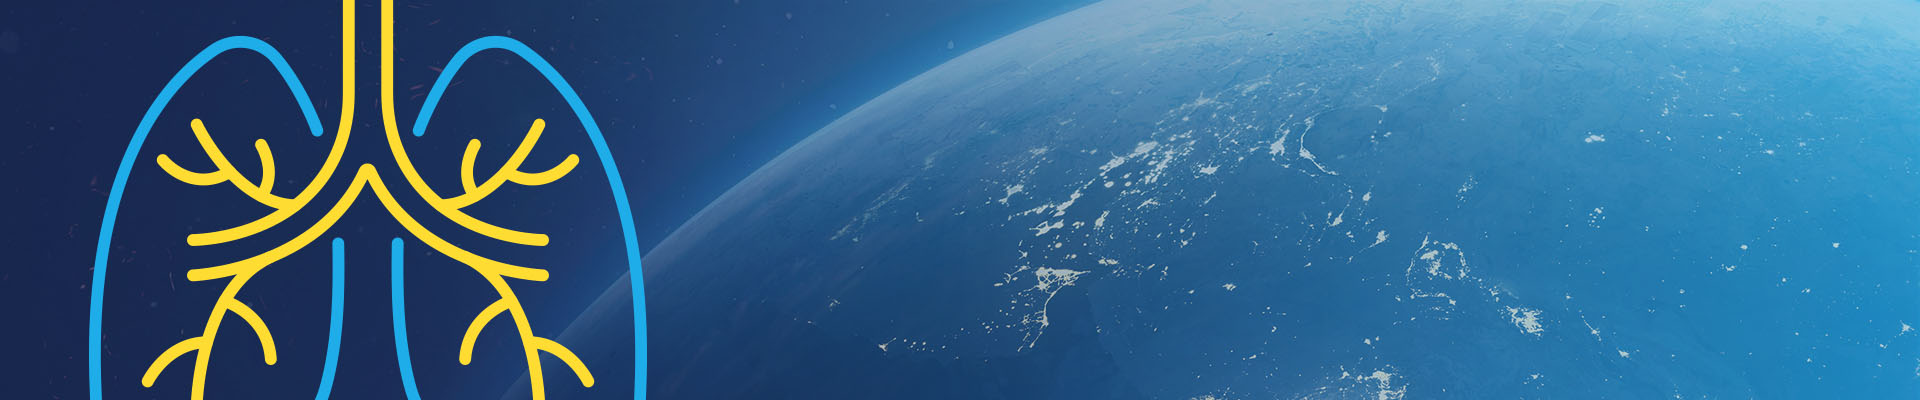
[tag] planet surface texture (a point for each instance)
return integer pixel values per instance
(1224, 199)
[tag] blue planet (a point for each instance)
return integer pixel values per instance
(1238, 199)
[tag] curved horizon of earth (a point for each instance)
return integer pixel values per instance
(1250, 199)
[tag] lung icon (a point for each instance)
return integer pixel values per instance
(213, 293)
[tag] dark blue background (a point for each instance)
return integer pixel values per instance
(693, 95)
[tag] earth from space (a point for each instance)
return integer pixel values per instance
(1223, 199)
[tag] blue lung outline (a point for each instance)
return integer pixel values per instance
(126, 168)
(400, 349)
(613, 180)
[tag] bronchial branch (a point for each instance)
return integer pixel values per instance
(509, 303)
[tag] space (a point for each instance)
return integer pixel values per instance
(1194, 199)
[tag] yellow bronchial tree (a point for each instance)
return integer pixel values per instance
(367, 179)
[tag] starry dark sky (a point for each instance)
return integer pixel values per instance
(693, 95)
